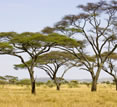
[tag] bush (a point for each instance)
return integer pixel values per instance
(73, 84)
(86, 83)
(13, 81)
(24, 82)
(50, 84)
(40, 83)
(106, 82)
(3, 82)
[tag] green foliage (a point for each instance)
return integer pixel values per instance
(2, 78)
(73, 84)
(40, 83)
(3, 82)
(24, 82)
(55, 56)
(112, 56)
(29, 39)
(61, 80)
(47, 30)
(74, 30)
(20, 66)
(51, 57)
(5, 47)
(106, 82)
(9, 77)
(86, 83)
(50, 84)
(88, 57)
(62, 40)
(13, 81)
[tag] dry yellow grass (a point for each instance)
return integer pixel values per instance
(19, 96)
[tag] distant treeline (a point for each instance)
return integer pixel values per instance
(8, 79)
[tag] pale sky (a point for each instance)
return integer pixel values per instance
(32, 16)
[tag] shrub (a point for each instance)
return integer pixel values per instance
(86, 83)
(24, 82)
(3, 82)
(107, 82)
(73, 84)
(40, 83)
(50, 84)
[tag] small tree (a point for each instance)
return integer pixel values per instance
(11, 79)
(52, 63)
(2, 78)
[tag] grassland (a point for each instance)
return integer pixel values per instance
(19, 96)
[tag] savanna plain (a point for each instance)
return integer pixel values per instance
(20, 96)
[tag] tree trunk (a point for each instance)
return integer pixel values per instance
(116, 84)
(94, 85)
(57, 86)
(33, 91)
(95, 78)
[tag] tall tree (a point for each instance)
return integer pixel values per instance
(94, 25)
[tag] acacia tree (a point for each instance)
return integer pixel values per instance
(5, 47)
(51, 63)
(30, 45)
(95, 26)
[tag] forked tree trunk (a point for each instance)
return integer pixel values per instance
(94, 85)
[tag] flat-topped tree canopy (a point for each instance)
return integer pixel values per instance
(51, 57)
(5, 48)
(56, 57)
(112, 56)
(51, 62)
(33, 45)
(62, 40)
(35, 41)
(47, 30)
